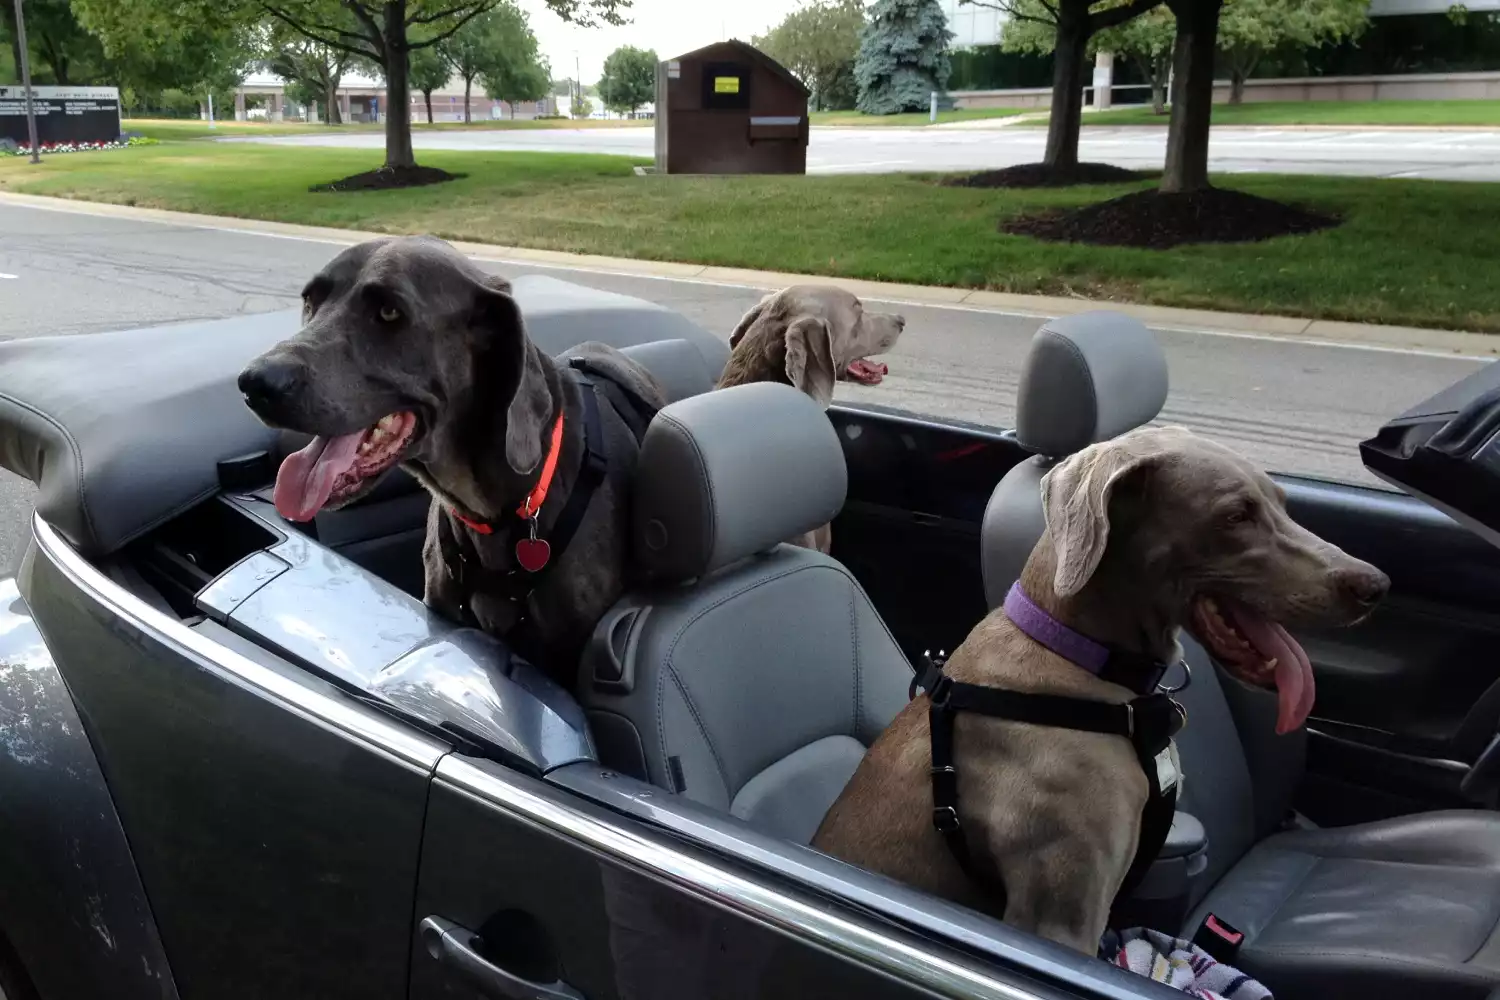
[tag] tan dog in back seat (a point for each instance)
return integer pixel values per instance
(1155, 530)
(810, 336)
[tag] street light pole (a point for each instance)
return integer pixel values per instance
(36, 156)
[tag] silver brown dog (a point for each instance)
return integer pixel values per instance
(411, 355)
(807, 336)
(810, 336)
(1154, 531)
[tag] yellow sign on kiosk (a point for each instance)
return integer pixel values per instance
(726, 85)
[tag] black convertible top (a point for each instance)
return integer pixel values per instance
(123, 431)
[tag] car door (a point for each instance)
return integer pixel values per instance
(274, 820)
(528, 891)
(1410, 699)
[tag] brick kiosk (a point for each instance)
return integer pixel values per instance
(729, 108)
(63, 114)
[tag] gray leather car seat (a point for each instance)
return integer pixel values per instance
(1401, 908)
(749, 675)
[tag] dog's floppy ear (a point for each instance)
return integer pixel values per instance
(747, 321)
(809, 358)
(1075, 505)
(514, 364)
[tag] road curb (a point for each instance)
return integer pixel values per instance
(1158, 317)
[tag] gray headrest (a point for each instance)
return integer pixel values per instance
(730, 473)
(677, 364)
(1089, 378)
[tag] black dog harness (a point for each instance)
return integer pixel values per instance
(1149, 722)
(518, 582)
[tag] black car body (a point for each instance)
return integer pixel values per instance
(239, 759)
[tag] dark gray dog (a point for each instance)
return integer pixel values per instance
(411, 355)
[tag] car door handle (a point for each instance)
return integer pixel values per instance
(451, 945)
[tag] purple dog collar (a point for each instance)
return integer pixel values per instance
(1048, 631)
(1136, 671)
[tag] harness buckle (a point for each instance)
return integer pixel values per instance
(1130, 720)
(941, 692)
(945, 820)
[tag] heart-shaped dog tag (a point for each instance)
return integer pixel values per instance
(533, 553)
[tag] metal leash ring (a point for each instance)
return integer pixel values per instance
(1187, 680)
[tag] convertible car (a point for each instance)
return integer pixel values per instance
(240, 759)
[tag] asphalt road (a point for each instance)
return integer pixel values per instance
(1291, 406)
(1436, 154)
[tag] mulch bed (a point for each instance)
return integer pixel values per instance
(387, 178)
(1038, 175)
(1159, 221)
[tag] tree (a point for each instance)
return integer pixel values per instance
(1192, 95)
(582, 107)
(428, 72)
(903, 56)
(1248, 29)
(482, 44)
(1063, 27)
(57, 41)
(518, 80)
(819, 44)
(629, 79)
(1147, 42)
(152, 46)
(514, 69)
(384, 31)
(313, 71)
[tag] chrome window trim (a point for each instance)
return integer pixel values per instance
(842, 934)
(346, 715)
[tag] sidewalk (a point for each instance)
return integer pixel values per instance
(1477, 345)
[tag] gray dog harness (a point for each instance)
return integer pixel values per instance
(1149, 722)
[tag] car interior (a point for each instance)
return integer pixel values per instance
(1361, 855)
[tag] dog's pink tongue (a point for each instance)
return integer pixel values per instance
(866, 372)
(306, 478)
(1294, 677)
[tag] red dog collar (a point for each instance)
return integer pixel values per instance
(532, 505)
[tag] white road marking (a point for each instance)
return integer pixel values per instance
(8, 277)
(82, 208)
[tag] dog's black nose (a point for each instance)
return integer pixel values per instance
(267, 382)
(900, 322)
(1365, 586)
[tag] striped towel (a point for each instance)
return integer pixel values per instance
(1179, 964)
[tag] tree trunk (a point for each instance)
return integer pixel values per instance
(331, 99)
(468, 90)
(1069, 63)
(1241, 65)
(398, 151)
(1192, 95)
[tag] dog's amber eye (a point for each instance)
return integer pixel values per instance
(1240, 514)
(389, 314)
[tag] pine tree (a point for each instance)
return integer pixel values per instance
(903, 56)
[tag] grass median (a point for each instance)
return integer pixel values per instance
(1429, 114)
(1408, 252)
(173, 129)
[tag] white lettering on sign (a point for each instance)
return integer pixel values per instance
(61, 93)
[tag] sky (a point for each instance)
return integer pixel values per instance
(671, 27)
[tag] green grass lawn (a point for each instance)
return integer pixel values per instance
(167, 129)
(1410, 252)
(911, 118)
(1430, 113)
